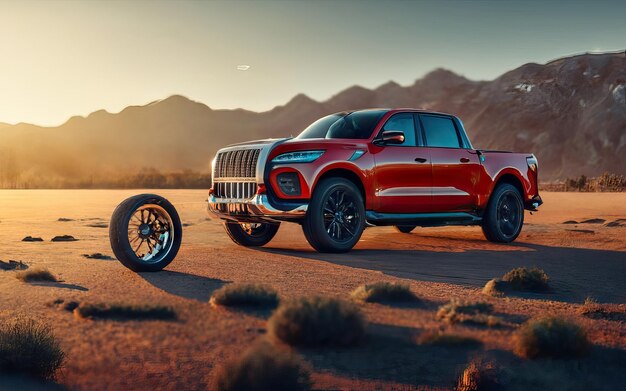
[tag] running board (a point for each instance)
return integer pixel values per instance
(422, 219)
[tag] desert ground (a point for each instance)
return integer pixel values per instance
(583, 259)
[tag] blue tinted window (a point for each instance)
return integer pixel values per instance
(440, 131)
(403, 122)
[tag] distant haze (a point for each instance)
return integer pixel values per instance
(571, 113)
(65, 58)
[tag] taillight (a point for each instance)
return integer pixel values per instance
(532, 163)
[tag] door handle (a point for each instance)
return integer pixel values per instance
(420, 160)
(464, 160)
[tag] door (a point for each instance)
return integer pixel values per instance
(455, 168)
(403, 172)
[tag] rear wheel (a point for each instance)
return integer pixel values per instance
(335, 218)
(405, 229)
(504, 217)
(251, 234)
(145, 233)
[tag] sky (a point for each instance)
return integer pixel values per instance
(64, 58)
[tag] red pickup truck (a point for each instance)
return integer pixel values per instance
(351, 170)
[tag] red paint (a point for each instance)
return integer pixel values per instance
(449, 179)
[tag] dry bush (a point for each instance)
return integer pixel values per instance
(263, 367)
(523, 279)
(495, 287)
(35, 275)
(318, 321)
(125, 311)
(450, 340)
(245, 295)
(384, 292)
(518, 279)
(590, 306)
(551, 337)
(455, 308)
(30, 348)
(479, 376)
(477, 313)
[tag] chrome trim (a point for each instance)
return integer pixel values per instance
(258, 207)
(265, 146)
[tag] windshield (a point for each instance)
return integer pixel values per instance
(358, 124)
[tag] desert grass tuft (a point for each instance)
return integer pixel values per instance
(30, 348)
(468, 312)
(438, 338)
(519, 279)
(551, 337)
(479, 376)
(35, 275)
(245, 295)
(125, 311)
(530, 280)
(263, 367)
(384, 292)
(318, 321)
(495, 287)
(590, 306)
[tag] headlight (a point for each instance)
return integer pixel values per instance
(298, 157)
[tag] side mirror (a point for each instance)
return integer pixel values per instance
(392, 137)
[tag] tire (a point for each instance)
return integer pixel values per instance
(405, 229)
(251, 235)
(504, 217)
(326, 227)
(159, 234)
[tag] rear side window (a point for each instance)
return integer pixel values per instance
(440, 132)
(405, 123)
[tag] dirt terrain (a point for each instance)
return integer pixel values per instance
(582, 259)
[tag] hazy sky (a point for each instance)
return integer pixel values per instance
(64, 58)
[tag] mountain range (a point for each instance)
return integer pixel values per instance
(570, 112)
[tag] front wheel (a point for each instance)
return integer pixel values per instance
(335, 218)
(504, 216)
(251, 234)
(145, 233)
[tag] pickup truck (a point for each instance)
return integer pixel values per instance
(378, 167)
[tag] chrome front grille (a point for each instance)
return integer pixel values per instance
(239, 163)
(234, 173)
(235, 190)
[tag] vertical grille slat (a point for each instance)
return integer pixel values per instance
(234, 173)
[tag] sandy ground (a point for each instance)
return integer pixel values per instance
(439, 263)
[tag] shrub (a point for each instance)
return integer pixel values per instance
(35, 275)
(384, 292)
(494, 287)
(124, 311)
(263, 367)
(523, 279)
(518, 279)
(457, 311)
(251, 295)
(590, 306)
(457, 307)
(318, 321)
(479, 376)
(29, 348)
(551, 337)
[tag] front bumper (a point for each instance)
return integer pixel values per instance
(255, 209)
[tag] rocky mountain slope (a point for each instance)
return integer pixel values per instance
(570, 112)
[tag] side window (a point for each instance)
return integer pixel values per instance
(403, 122)
(440, 132)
